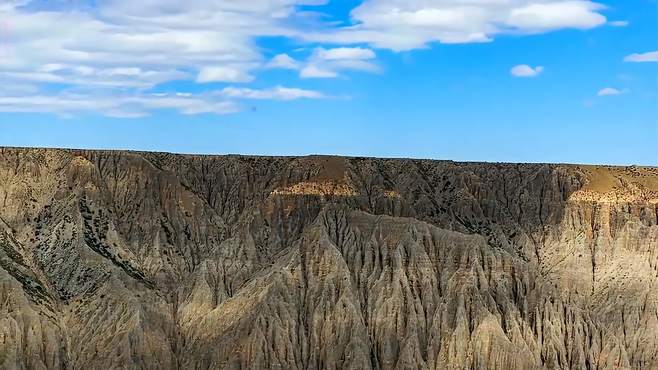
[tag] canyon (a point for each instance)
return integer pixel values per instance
(140, 260)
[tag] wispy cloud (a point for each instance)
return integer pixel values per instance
(524, 70)
(344, 54)
(618, 23)
(114, 103)
(276, 93)
(124, 106)
(611, 91)
(313, 71)
(327, 63)
(223, 74)
(283, 61)
(651, 56)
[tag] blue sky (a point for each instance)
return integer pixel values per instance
(509, 80)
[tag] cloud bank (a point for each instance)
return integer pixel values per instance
(410, 24)
(111, 56)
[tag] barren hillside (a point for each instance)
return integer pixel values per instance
(126, 260)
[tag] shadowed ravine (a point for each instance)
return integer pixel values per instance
(159, 261)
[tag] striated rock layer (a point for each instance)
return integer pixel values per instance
(125, 260)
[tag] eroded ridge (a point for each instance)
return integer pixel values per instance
(160, 261)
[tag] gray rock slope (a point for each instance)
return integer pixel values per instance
(126, 260)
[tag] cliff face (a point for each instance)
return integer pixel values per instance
(159, 261)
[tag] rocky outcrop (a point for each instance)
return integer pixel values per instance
(160, 261)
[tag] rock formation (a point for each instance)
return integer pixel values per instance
(127, 260)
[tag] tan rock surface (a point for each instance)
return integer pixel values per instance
(157, 261)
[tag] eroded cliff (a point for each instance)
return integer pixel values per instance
(161, 261)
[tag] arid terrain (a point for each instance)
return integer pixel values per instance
(131, 260)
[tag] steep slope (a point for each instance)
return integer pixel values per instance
(161, 261)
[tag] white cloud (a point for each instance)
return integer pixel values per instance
(74, 60)
(134, 104)
(651, 56)
(138, 44)
(223, 74)
(276, 93)
(326, 63)
(88, 76)
(611, 91)
(9, 89)
(618, 23)
(556, 15)
(283, 61)
(124, 106)
(122, 41)
(124, 48)
(313, 71)
(410, 24)
(345, 54)
(524, 70)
